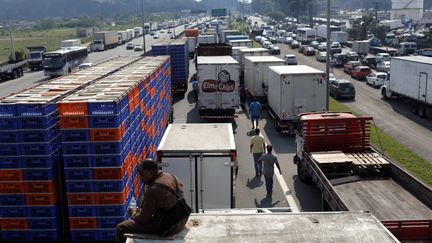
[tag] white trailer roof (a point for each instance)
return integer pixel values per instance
(419, 59)
(264, 59)
(254, 50)
(216, 60)
(244, 40)
(198, 137)
(295, 69)
(239, 47)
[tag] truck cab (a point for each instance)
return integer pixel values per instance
(98, 45)
(35, 57)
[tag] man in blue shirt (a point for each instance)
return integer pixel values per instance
(195, 87)
(255, 112)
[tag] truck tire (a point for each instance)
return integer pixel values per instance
(303, 175)
(421, 110)
(20, 72)
(14, 74)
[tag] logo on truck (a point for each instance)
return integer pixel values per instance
(223, 84)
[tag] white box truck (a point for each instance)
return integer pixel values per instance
(246, 43)
(293, 90)
(207, 39)
(205, 166)
(252, 52)
(361, 47)
(225, 33)
(339, 36)
(70, 43)
(218, 80)
(192, 42)
(236, 52)
(104, 40)
(409, 79)
(122, 37)
(256, 73)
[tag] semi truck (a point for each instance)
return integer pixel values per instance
(334, 153)
(12, 69)
(138, 31)
(339, 36)
(361, 47)
(35, 57)
(104, 40)
(218, 81)
(409, 80)
(122, 37)
(293, 90)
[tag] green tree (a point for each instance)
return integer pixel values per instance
(277, 15)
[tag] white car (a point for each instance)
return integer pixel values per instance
(331, 77)
(321, 56)
(162, 31)
(383, 57)
(383, 66)
(85, 65)
(258, 38)
(288, 40)
(290, 59)
(376, 79)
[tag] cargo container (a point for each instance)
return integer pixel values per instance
(205, 166)
(225, 33)
(214, 49)
(218, 80)
(293, 90)
(361, 47)
(70, 43)
(122, 37)
(207, 39)
(138, 31)
(236, 37)
(192, 41)
(236, 52)
(237, 43)
(409, 79)
(251, 52)
(339, 36)
(104, 40)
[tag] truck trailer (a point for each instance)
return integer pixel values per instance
(409, 79)
(218, 80)
(70, 43)
(104, 40)
(225, 33)
(335, 154)
(237, 43)
(138, 31)
(293, 90)
(361, 47)
(122, 37)
(12, 70)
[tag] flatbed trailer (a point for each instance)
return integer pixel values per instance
(12, 70)
(334, 153)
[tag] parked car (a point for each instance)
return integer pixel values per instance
(294, 44)
(376, 79)
(274, 50)
(383, 66)
(309, 51)
(360, 72)
(156, 37)
(341, 88)
(290, 59)
(369, 61)
(314, 44)
(138, 48)
(352, 56)
(130, 46)
(424, 52)
(340, 59)
(321, 56)
(350, 65)
(288, 40)
(383, 57)
(85, 65)
(302, 48)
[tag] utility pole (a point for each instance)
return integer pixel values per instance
(142, 17)
(11, 41)
(376, 16)
(328, 57)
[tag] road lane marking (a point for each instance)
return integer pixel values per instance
(287, 192)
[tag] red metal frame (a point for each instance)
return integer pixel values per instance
(410, 229)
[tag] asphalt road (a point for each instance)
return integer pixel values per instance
(393, 117)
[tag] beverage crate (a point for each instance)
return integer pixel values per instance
(109, 121)
(108, 108)
(44, 235)
(40, 148)
(12, 199)
(84, 235)
(82, 223)
(38, 122)
(11, 187)
(82, 211)
(35, 109)
(111, 210)
(14, 235)
(14, 223)
(80, 186)
(41, 186)
(44, 211)
(83, 148)
(110, 160)
(10, 149)
(75, 135)
(8, 110)
(41, 161)
(41, 199)
(110, 147)
(68, 122)
(43, 223)
(108, 135)
(80, 198)
(116, 173)
(13, 212)
(111, 198)
(73, 109)
(11, 175)
(40, 174)
(78, 173)
(111, 186)
(107, 234)
(109, 222)
(9, 136)
(11, 162)
(71, 161)
(39, 136)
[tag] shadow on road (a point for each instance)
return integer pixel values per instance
(308, 196)
(266, 202)
(255, 182)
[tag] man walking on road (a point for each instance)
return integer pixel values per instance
(269, 160)
(255, 112)
(257, 148)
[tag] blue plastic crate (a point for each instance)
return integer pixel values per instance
(106, 121)
(35, 109)
(12, 199)
(38, 122)
(8, 110)
(39, 136)
(43, 211)
(43, 223)
(111, 186)
(10, 162)
(110, 147)
(109, 160)
(78, 173)
(45, 235)
(107, 234)
(75, 135)
(9, 136)
(109, 222)
(84, 235)
(40, 148)
(13, 212)
(8, 123)
(79, 186)
(111, 210)
(10, 149)
(22, 236)
(44, 161)
(43, 174)
(107, 108)
(71, 161)
(76, 148)
(82, 211)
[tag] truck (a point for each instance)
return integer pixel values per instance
(131, 33)
(361, 47)
(138, 31)
(246, 43)
(225, 33)
(236, 52)
(70, 43)
(207, 39)
(321, 31)
(220, 49)
(293, 90)
(236, 37)
(218, 81)
(104, 40)
(339, 36)
(409, 80)
(251, 52)
(12, 69)
(256, 72)
(196, 162)
(35, 57)
(335, 154)
(122, 37)
(146, 29)
(192, 42)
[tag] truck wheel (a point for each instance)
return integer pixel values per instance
(302, 174)
(21, 72)
(14, 74)
(421, 110)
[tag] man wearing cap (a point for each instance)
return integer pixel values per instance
(269, 161)
(160, 195)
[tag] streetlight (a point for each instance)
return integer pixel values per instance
(142, 17)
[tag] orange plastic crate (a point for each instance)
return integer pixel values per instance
(12, 187)
(67, 122)
(83, 223)
(80, 198)
(73, 109)
(14, 224)
(41, 199)
(112, 197)
(106, 135)
(41, 187)
(11, 175)
(109, 173)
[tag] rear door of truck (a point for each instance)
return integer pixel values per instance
(207, 97)
(228, 76)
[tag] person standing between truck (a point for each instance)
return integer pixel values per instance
(269, 161)
(255, 112)
(159, 212)
(257, 148)
(195, 87)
